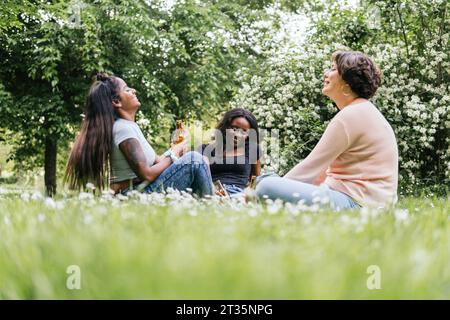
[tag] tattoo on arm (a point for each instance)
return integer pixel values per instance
(132, 151)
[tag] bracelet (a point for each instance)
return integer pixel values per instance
(169, 153)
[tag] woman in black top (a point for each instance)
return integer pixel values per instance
(234, 155)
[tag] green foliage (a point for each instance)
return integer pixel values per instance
(182, 61)
(9, 180)
(189, 60)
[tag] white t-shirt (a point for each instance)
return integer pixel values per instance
(123, 130)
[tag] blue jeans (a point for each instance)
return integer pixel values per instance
(233, 189)
(275, 187)
(189, 171)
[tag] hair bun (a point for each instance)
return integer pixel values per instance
(102, 77)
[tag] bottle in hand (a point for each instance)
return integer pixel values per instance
(180, 134)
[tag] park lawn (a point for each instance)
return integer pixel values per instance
(175, 247)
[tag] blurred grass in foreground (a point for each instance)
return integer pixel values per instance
(179, 248)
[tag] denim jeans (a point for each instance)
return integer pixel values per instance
(274, 187)
(233, 190)
(189, 171)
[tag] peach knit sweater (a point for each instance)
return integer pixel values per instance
(356, 155)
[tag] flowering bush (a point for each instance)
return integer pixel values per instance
(419, 112)
(414, 96)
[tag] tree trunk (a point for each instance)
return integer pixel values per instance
(50, 166)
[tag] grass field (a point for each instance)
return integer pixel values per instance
(176, 247)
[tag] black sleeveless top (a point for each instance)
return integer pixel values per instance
(232, 169)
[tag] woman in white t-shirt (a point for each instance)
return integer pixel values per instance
(111, 143)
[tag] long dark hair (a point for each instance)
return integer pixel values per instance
(89, 158)
(232, 114)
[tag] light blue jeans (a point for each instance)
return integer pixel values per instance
(273, 187)
(189, 171)
(232, 189)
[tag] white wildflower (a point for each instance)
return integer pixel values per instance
(253, 213)
(90, 186)
(401, 215)
(87, 219)
(36, 196)
(50, 203)
(306, 219)
(41, 217)
(193, 212)
(85, 196)
(25, 196)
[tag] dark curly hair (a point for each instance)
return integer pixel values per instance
(232, 114)
(359, 71)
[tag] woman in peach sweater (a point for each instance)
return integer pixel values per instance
(355, 163)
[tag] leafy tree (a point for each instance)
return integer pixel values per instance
(182, 60)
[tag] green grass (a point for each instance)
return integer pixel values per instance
(173, 248)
